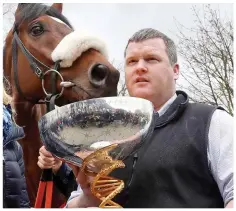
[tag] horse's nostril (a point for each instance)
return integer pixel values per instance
(98, 74)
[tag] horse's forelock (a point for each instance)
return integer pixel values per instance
(29, 12)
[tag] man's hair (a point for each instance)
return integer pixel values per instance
(149, 33)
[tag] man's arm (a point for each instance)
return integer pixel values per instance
(220, 154)
(65, 180)
(62, 174)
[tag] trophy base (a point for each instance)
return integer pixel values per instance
(103, 186)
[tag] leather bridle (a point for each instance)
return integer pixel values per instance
(34, 64)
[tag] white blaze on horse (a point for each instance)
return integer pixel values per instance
(43, 58)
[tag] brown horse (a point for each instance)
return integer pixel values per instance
(42, 43)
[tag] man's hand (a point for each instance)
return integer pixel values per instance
(86, 198)
(230, 204)
(47, 161)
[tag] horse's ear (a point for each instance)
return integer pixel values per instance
(57, 6)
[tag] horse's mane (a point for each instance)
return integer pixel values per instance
(29, 12)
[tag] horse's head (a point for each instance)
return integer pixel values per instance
(42, 43)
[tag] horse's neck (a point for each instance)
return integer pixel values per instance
(27, 116)
(27, 113)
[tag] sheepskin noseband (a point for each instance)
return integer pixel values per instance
(74, 44)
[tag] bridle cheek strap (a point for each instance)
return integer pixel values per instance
(36, 69)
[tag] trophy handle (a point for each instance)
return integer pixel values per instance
(103, 186)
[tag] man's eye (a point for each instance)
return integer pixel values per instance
(132, 61)
(151, 59)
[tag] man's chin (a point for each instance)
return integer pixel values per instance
(141, 93)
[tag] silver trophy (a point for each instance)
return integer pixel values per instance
(98, 135)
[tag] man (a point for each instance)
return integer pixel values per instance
(188, 161)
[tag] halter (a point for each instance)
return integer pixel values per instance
(49, 97)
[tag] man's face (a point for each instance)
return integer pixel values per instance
(148, 72)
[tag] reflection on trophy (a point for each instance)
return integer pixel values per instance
(98, 135)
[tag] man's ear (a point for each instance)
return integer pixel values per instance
(176, 71)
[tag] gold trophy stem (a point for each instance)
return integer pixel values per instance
(103, 186)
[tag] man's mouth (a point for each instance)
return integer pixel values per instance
(141, 79)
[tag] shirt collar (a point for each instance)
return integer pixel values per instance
(164, 108)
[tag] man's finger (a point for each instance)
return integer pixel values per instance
(42, 166)
(45, 161)
(45, 152)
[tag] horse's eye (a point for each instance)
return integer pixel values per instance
(36, 30)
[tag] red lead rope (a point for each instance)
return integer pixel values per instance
(46, 182)
(41, 190)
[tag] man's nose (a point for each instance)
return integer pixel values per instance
(141, 66)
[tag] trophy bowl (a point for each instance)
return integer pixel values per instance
(97, 135)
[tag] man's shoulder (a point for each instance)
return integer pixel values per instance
(203, 105)
(217, 113)
(218, 110)
(222, 116)
(202, 109)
